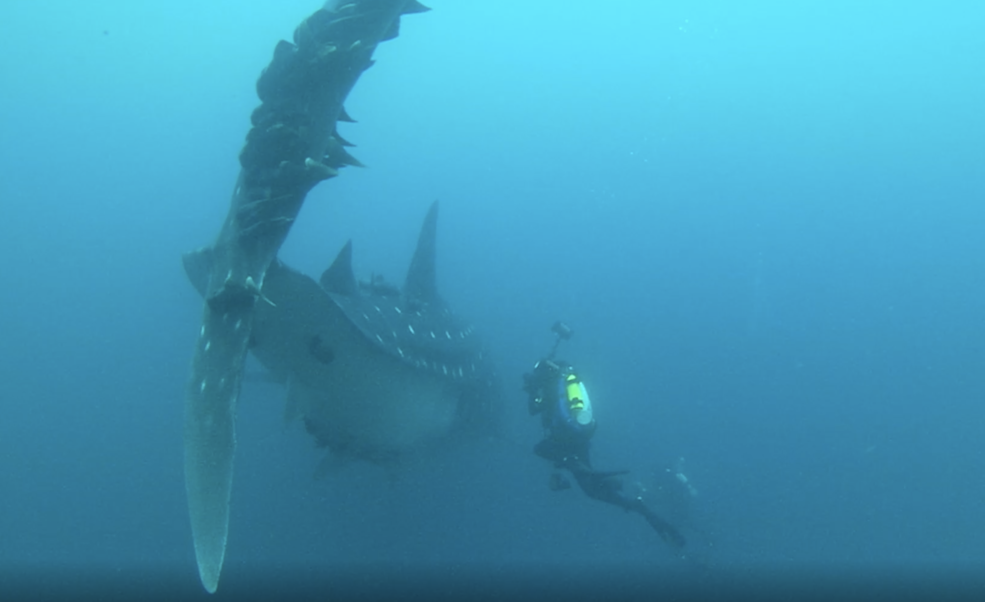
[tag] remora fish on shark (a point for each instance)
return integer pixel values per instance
(292, 146)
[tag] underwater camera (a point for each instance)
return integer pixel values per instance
(561, 330)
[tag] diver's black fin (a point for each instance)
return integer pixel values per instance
(666, 531)
(339, 278)
(421, 283)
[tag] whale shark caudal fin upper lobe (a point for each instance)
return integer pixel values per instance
(292, 146)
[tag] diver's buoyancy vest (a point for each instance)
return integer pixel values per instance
(573, 401)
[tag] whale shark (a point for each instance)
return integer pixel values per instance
(374, 371)
(293, 145)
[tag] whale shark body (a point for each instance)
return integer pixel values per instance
(374, 371)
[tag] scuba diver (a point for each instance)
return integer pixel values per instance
(556, 393)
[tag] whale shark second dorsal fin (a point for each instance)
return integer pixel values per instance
(421, 283)
(339, 278)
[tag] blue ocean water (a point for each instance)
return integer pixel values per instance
(763, 221)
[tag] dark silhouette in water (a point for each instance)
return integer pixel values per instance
(557, 394)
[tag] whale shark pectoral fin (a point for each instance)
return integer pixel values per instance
(210, 434)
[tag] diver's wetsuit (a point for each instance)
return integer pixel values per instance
(568, 448)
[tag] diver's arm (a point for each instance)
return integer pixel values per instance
(536, 386)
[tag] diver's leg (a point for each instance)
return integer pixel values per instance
(601, 486)
(568, 454)
(605, 487)
(549, 450)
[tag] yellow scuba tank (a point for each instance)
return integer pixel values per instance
(579, 404)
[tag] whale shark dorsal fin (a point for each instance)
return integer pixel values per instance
(421, 283)
(339, 278)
